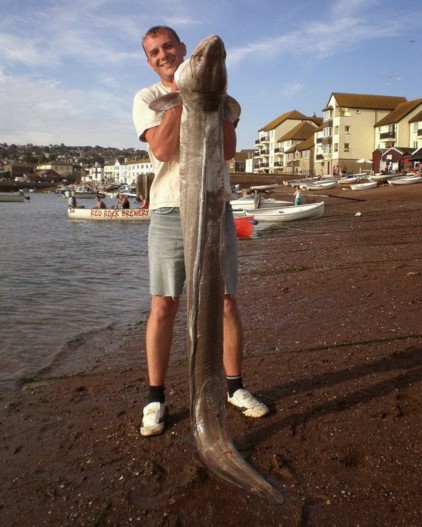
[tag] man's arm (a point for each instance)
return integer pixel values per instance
(164, 139)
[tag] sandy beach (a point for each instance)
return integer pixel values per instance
(332, 315)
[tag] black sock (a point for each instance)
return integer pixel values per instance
(156, 394)
(233, 384)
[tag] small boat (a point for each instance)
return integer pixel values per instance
(347, 180)
(85, 192)
(405, 180)
(13, 197)
(257, 202)
(244, 226)
(319, 185)
(364, 186)
(381, 177)
(128, 215)
(291, 213)
(264, 187)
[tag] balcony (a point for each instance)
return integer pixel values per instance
(388, 135)
(328, 123)
(327, 140)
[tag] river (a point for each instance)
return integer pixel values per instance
(60, 279)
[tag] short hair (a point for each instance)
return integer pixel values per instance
(155, 30)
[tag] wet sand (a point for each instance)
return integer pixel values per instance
(331, 309)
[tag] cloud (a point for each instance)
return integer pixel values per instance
(342, 29)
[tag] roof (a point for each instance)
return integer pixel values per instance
(293, 114)
(299, 132)
(403, 109)
(307, 144)
(416, 118)
(366, 102)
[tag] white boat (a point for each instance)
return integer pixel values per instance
(405, 180)
(257, 203)
(108, 214)
(291, 213)
(85, 192)
(381, 177)
(347, 180)
(364, 186)
(13, 197)
(264, 187)
(319, 185)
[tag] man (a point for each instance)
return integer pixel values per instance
(165, 52)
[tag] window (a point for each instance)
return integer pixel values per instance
(347, 129)
(346, 147)
(335, 147)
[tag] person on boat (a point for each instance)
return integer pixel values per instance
(123, 201)
(160, 130)
(143, 203)
(71, 202)
(298, 196)
(99, 203)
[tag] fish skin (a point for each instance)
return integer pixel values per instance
(202, 83)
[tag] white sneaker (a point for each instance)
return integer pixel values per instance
(248, 404)
(153, 420)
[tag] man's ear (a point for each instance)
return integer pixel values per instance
(183, 45)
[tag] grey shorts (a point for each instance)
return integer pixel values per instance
(165, 253)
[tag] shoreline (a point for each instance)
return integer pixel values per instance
(331, 311)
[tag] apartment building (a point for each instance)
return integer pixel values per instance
(269, 156)
(395, 128)
(297, 146)
(348, 127)
(415, 132)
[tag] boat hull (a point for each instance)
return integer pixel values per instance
(405, 180)
(292, 213)
(126, 215)
(11, 197)
(249, 203)
(364, 186)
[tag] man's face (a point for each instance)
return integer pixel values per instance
(164, 55)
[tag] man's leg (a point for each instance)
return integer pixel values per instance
(159, 337)
(232, 358)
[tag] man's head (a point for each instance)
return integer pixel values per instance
(164, 52)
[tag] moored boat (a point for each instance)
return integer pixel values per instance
(364, 186)
(12, 197)
(270, 186)
(319, 185)
(257, 202)
(410, 179)
(290, 213)
(85, 192)
(127, 215)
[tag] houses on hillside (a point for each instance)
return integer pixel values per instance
(352, 128)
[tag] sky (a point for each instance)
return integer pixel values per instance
(69, 69)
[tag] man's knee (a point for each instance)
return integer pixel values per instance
(164, 307)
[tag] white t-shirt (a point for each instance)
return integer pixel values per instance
(165, 189)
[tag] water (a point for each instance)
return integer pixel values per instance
(61, 278)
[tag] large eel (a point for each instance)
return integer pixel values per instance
(202, 84)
